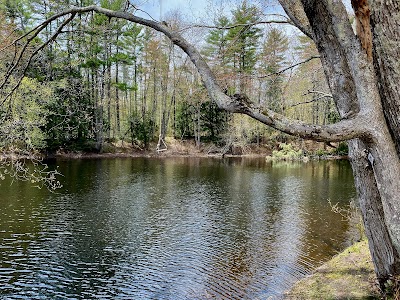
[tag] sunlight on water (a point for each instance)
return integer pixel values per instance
(171, 229)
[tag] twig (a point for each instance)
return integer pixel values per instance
(290, 67)
(52, 38)
(236, 25)
(319, 93)
(310, 101)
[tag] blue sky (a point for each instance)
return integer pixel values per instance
(190, 8)
(199, 9)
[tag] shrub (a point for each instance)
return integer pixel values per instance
(287, 152)
(342, 149)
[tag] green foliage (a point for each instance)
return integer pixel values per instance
(333, 117)
(287, 152)
(274, 59)
(70, 119)
(218, 42)
(244, 38)
(112, 4)
(321, 152)
(141, 128)
(235, 48)
(123, 86)
(213, 120)
(342, 149)
(23, 120)
(184, 126)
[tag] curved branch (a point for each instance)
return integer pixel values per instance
(37, 50)
(344, 130)
(287, 22)
(295, 12)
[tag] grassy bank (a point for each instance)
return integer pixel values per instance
(349, 275)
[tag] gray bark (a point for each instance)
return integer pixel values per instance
(342, 80)
(384, 255)
(385, 26)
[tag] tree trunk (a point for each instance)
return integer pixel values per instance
(352, 91)
(384, 255)
(108, 60)
(117, 110)
(385, 26)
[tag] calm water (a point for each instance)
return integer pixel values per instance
(171, 229)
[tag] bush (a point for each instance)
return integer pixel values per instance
(342, 149)
(141, 130)
(287, 152)
(320, 152)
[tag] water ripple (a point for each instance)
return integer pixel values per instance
(173, 229)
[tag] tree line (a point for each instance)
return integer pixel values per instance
(102, 80)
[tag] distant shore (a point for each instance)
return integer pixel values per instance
(311, 150)
(90, 155)
(176, 148)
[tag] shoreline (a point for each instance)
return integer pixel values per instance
(185, 154)
(163, 155)
(74, 155)
(311, 151)
(348, 275)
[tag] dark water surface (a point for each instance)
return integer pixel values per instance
(171, 229)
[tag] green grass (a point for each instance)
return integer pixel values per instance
(348, 275)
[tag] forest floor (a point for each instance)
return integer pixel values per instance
(348, 275)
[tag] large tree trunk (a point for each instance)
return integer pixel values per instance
(384, 255)
(385, 26)
(369, 160)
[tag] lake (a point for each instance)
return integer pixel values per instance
(173, 228)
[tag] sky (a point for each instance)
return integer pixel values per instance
(190, 8)
(198, 9)
(205, 11)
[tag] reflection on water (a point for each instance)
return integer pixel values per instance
(171, 229)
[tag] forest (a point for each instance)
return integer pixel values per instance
(98, 82)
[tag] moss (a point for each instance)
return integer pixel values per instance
(349, 275)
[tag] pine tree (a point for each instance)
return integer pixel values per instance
(273, 60)
(243, 40)
(217, 41)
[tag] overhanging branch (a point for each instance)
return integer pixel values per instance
(346, 129)
(294, 10)
(287, 22)
(343, 130)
